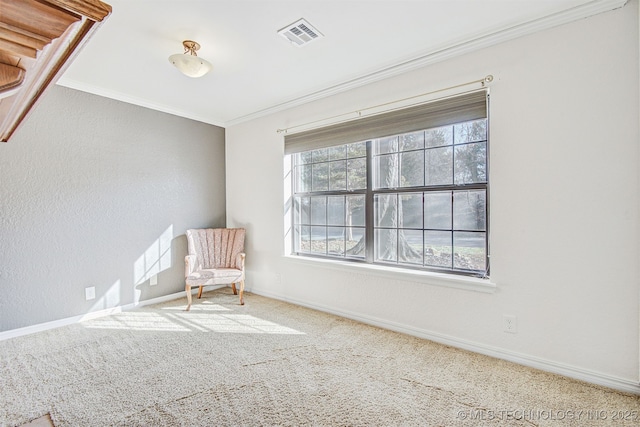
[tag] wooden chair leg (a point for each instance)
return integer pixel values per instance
(242, 292)
(233, 287)
(200, 292)
(187, 288)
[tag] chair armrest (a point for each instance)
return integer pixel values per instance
(240, 260)
(189, 265)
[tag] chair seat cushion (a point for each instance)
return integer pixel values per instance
(215, 276)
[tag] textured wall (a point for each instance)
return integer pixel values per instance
(565, 193)
(95, 192)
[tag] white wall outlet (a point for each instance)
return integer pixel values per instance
(154, 280)
(90, 293)
(510, 323)
(278, 278)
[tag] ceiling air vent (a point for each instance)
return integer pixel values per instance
(300, 33)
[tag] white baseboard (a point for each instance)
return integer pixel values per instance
(13, 333)
(95, 314)
(574, 372)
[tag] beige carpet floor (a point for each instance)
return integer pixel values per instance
(269, 363)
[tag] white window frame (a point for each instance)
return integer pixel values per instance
(444, 111)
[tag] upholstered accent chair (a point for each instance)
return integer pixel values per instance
(216, 257)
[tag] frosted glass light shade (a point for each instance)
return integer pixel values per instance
(190, 65)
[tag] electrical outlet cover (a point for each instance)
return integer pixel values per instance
(510, 324)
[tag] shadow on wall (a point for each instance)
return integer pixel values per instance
(153, 266)
(156, 258)
(288, 204)
(162, 262)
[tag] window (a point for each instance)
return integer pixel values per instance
(329, 202)
(415, 199)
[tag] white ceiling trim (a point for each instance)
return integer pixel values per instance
(420, 60)
(492, 38)
(119, 96)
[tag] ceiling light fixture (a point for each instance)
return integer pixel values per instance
(188, 62)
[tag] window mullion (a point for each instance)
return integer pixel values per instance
(369, 212)
(294, 185)
(326, 220)
(453, 250)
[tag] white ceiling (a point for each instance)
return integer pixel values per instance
(256, 71)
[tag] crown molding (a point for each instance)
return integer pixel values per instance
(122, 97)
(420, 60)
(481, 41)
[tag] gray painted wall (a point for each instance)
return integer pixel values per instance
(96, 192)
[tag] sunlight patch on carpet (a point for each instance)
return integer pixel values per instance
(195, 321)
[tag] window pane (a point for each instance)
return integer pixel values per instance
(386, 208)
(437, 248)
(471, 163)
(470, 251)
(357, 149)
(386, 171)
(338, 175)
(303, 178)
(438, 136)
(469, 210)
(335, 240)
(318, 210)
(355, 210)
(335, 210)
(338, 153)
(410, 247)
(320, 155)
(296, 238)
(411, 141)
(386, 243)
(320, 177)
(305, 210)
(437, 210)
(356, 174)
(439, 166)
(411, 211)
(412, 169)
(304, 157)
(385, 145)
(303, 241)
(318, 240)
(471, 131)
(355, 241)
